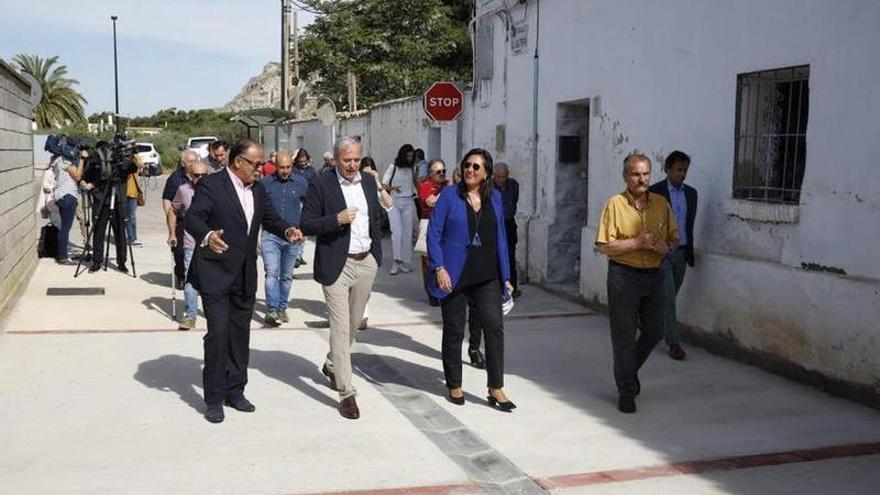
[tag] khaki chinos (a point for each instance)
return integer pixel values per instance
(346, 299)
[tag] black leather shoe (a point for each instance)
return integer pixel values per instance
(122, 268)
(329, 374)
(676, 351)
(626, 404)
(348, 408)
(477, 359)
(242, 405)
(95, 267)
(505, 406)
(458, 401)
(214, 413)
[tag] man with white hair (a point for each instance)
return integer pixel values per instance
(328, 162)
(172, 184)
(342, 210)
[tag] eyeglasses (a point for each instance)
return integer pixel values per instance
(196, 176)
(473, 166)
(252, 163)
(440, 172)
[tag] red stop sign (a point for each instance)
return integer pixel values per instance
(443, 101)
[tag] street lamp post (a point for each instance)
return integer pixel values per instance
(115, 68)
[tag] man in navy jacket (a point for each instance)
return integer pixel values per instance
(683, 199)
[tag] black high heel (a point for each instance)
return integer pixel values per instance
(505, 406)
(458, 401)
(477, 359)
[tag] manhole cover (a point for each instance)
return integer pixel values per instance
(75, 291)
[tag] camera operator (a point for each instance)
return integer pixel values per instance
(106, 173)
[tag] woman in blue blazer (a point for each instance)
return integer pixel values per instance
(467, 249)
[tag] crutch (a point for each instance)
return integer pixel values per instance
(173, 289)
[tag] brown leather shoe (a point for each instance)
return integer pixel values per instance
(348, 408)
(329, 374)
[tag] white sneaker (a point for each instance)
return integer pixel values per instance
(395, 268)
(405, 268)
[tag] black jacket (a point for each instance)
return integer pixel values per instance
(690, 197)
(320, 206)
(216, 206)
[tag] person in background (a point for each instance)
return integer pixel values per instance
(285, 191)
(509, 189)
(467, 246)
(269, 167)
(65, 193)
(683, 200)
(636, 230)
(172, 183)
(132, 193)
(328, 163)
(429, 192)
(218, 156)
(421, 167)
(302, 165)
(398, 180)
(368, 166)
(179, 205)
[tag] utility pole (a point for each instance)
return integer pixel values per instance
(285, 53)
(115, 69)
(295, 81)
(351, 81)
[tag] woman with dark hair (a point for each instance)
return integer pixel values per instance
(398, 180)
(302, 165)
(467, 248)
(368, 166)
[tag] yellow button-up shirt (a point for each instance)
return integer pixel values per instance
(621, 219)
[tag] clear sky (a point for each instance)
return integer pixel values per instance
(186, 54)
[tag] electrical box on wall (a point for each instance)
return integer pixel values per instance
(569, 149)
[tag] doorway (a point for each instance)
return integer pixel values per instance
(564, 243)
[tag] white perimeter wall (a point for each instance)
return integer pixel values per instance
(662, 76)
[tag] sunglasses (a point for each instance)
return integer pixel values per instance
(473, 166)
(440, 172)
(253, 164)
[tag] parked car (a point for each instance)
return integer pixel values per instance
(150, 158)
(200, 144)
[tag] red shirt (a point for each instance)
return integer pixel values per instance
(268, 169)
(427, 188)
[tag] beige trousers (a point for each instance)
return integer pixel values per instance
(346, 299)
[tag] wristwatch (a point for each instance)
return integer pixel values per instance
(441, 267)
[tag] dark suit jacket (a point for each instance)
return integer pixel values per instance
(690, 197)
(320, 206)
(216, 206)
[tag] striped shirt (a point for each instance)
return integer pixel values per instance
(64, 183)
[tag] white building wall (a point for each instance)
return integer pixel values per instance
(661, 76)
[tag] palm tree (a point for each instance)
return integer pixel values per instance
(61, 104)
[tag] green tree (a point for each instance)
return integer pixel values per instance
(396, 48)
(61, 103)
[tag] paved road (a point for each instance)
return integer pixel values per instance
(101, 394)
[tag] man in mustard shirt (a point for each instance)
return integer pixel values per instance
(636, 230)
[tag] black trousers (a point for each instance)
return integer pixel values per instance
(635, 306)
(227, 343)
(487, 299)
(475, 326)
(117, 217)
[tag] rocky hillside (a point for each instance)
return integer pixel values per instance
(264, 91)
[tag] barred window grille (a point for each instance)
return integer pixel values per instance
(771, 134)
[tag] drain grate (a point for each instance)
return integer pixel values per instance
(75, 291)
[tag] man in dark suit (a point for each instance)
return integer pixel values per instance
(224, 219)
(683, 199)
(342, 210)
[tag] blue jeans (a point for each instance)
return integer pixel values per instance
(673, 268)
(67, 208)
(190, 294)
(131, 228)
(279, 257)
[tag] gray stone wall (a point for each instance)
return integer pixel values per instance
(17, 228)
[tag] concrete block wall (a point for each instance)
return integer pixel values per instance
(17, 228)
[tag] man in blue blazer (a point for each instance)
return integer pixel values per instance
(683, 199)
(342, 210)
(224, 219)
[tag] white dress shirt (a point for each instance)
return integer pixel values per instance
(360, 228)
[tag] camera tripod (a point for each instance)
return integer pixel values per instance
(111, 209)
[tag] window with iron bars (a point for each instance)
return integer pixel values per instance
(771, 134)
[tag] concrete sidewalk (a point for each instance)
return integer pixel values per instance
(102, 394)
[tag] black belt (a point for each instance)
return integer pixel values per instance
(634, 269)
(358, 256)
